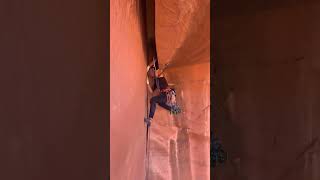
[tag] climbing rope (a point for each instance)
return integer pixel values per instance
(147, 151)
(147, 139)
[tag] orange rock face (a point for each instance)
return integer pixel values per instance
(183, 31)
(180, 144)
(128, 92)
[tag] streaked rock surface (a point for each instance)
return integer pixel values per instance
(180, 145)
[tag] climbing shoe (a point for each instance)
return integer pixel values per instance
(175, 110)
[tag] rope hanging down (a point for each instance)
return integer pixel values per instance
(147, 151)
(147, 140)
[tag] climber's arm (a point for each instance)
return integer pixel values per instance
(162, 70)
(148, 84)
(151, 64)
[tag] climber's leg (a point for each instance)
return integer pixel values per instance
(164, 105)
(153, 105)
(161, 100)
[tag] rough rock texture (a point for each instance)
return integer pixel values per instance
(180, 145)
(128, 91)
(267, 69)
(183, 31)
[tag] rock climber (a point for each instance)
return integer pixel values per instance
(164, 96)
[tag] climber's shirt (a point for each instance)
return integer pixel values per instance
(163, 84)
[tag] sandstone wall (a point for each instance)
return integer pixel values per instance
(127, 91)
(180, 144)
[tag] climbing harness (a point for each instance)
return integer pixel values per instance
(147, 151)
(171, 101)
(171, 96)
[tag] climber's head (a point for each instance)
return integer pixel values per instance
(151, 72)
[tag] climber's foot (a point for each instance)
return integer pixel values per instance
(175, 110)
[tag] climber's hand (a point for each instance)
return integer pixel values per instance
(156, 92)
(151, 63)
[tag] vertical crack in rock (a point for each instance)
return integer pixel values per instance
(184, 155)
(173, 160)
